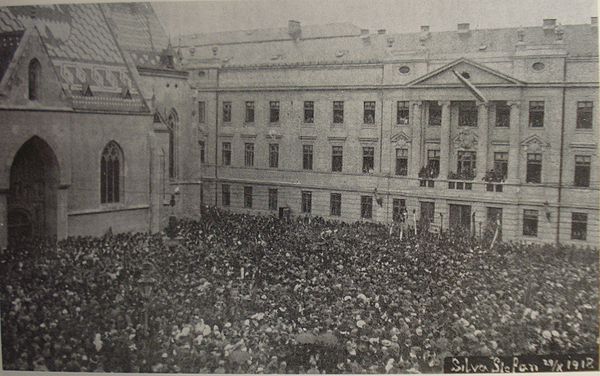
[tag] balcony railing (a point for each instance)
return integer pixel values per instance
(426, 176)
(461, 175)
(492, 177)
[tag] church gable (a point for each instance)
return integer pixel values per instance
(30, 78)
(475, 73)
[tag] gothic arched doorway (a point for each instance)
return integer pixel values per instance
(32, 198)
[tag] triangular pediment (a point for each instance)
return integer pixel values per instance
(14, 85)
(534, 143)
(475, 73)
(400, 137)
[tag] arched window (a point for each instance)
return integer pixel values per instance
(34, 79)
(172, 125)
(110, 173)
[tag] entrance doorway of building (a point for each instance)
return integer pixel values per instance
(460, 217)
(32, 197)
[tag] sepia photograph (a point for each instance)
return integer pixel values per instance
(299, 187)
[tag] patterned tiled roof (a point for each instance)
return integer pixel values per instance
(138, 32)
(83, 50)
(579, 40)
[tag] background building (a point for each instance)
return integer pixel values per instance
(470, 128)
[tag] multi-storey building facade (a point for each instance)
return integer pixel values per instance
(472, 128)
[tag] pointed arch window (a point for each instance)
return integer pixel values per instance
(111, 164)
(172, 126)
(35, 70)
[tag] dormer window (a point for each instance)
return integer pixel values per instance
(35, 69)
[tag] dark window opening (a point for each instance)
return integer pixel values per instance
(368, 159)
(536, 114)
(530, 222)
(401, 162)
(306, 202)
(110, 174)
(335, 204)
(338, 112)
(579, 226)
(369, 113)
(307, 157)
(337, 157)
(366, 207)
(249, 112)
(502, 115)
(435, 114)
(309, 112)
(585, 113)
(534, 168)
(274, 112)
(402, 113)
(582, 170)
(226, 153)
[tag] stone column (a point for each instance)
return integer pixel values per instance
(3, 218)
(515, 143)
(482, 144)
(445, 139)
(416, 143)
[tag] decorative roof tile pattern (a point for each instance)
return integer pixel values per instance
(8, 44)
(138, 31)
(83, 50)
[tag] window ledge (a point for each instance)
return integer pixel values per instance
(402, 125)
(308, 125)
(584, 130)
(275, 124)
(369, 125)
(337, 125)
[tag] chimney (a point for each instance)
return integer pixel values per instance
(381, 31)
(364, 35)
(425, 34)
(549, 25)
(294, 29)
(463, 29)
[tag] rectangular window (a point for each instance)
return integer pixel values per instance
(502, 114)
(530, 222)
(248, 154)
(226, 112)
(306, 202)
(307, 157)
(202, 145)
(273, 155)
(534, 168)
(579, 226)
(248, 197)
(272, 198)
(435, 113)
(309, 112)
(433, 162)
(402, 113)
(401, 162)
(501, 164)
(366, 207)
(335, 204)
(369, 113)
(226, 153)
(368, 159)
(427, 214)
(399, 210)
(201, 112)
(337, 158)
(582, 170)
(466, 162)
(536, 114)
(338, 112)
(467, 114)
(274, 111)
(249, 112)
(585, 112)
(225, 195)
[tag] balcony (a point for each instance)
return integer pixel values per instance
(461, 180)
(427, 176)
(494, 180)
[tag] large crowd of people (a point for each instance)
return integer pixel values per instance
(255, 294)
